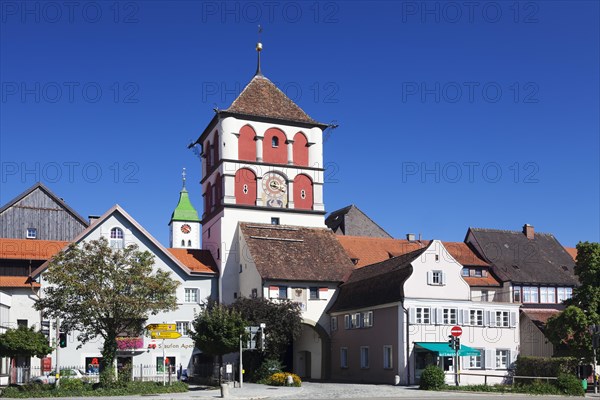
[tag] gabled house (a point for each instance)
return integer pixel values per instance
(536, 272)
(391, 319)
(305, 265)
(195, 270)
(352, 221)
(34, 226)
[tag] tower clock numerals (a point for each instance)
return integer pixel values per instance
(186, 228)
(275, 190)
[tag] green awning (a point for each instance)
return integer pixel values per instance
(443, 349)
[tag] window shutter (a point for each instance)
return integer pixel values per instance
(466, 317)
(513, 319)
(493, 318)
(512, 356)
(429, 278)
(460, 317)
(347, 321)
(443, 278)
(489, 359)
(412, 315)
(438, 316)
(324, 293)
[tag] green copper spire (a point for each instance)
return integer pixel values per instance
(184, 211)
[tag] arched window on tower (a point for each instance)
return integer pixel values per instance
(303, 192)
(182, 243)
(209, 154)
(117, 239)
(208, 197)
(245, 187)
(300, 150)
(189, 243)
(274, 150)
(247, 144)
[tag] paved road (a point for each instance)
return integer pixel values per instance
(333, 391)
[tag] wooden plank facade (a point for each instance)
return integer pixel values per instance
(39, 208)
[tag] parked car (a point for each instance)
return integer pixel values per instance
(50, 378)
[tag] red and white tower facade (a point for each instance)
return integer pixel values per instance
(262, 162)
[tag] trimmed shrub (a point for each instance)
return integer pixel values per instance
(545, 366)
(432, 378)
(280, 379)
(266, 369)
(71, 385)
(570, 385)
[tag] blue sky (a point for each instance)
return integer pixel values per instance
(450, 115)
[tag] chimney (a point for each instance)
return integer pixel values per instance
(528, 231)
(93, 218)
(410, 237)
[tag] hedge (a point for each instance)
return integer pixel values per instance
(545, 366)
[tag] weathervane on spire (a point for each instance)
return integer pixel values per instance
(258, 50)
(183, 177)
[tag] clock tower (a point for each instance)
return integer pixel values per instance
(262, 162)
(185, 224)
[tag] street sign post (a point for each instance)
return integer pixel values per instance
(164, 335)
(456, 331)
(161, 327)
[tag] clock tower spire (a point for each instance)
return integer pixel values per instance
(185, 224)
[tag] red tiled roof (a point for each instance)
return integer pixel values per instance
(462, 253)
(370, 250)
(196, 260)
(572, 252)
(16, 281)
(296, 253)
(482, 281)
(28, 249)
(263, 99)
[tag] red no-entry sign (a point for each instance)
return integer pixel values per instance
(456, 331)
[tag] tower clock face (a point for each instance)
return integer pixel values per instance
(274, 190)
(186, 228)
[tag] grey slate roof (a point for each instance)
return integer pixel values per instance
(376, 284)
(541, 260)
(352, 221)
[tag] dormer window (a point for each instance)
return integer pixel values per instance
(275, 142)
(31, 233)
(117, 239)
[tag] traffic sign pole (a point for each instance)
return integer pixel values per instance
(456, 331)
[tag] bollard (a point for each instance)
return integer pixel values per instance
(224, 390)
(289, 380)
(397, 380)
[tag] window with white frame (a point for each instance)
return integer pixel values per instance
(183, 327)
(31, 233)
(388, 358)
(283, 292)
(423, 315)
(191, 295)
(502, 359)
(449, 316)
(530, 294)
(547, 295)
(476, 317)
(517, 294)
(343, 357)
(465, 271)
(364, 356)
(117, 239)
(563, 293)
(436, 277)
(476, 362)
(355, 321)
(502, 318)
(367, 319)
(314, 293)
(334, 323)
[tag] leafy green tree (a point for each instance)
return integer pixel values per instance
(217, 331)
(283, 321)
(99, 291)
(23, 342)
(570, 328)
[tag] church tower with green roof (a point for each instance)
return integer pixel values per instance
(185, 224)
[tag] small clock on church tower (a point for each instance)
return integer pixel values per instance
(186, 228)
